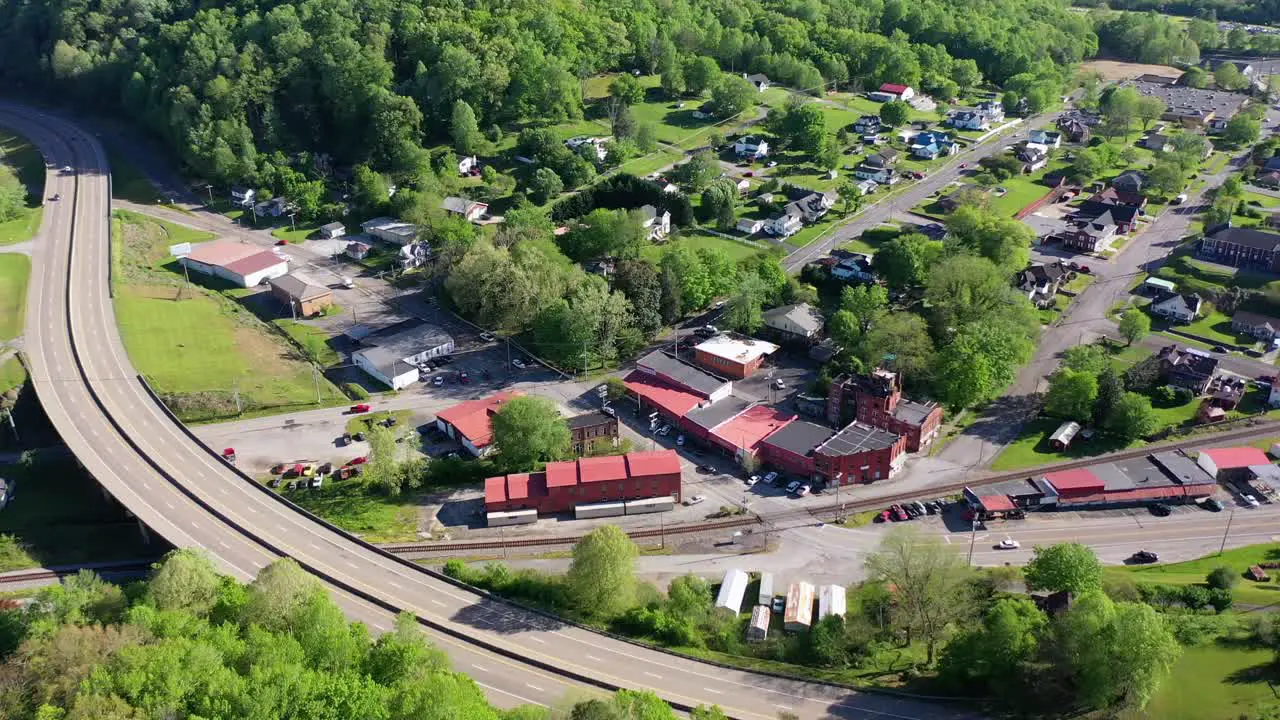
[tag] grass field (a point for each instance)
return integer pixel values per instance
(813, 232)
(141, 252)
(1216, 326)
(59, 516)
(357, 509)
(28, 164)
(296, 235)
(12, 374)
(651, 163)
(702, 239)
(313, 341)
(1193, 572)
(15, 271)
(1022, 191)
(199, 351)
(1213, 682)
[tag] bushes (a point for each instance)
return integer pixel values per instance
(1222, 578)
(355, 391)
(1192, 597)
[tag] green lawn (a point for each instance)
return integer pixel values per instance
(1193, 572)
(298, 234)
(651, 163)
(313, 342)
(363, 511)
(812, 232)
(141, 248)
(1079, 283)
(28, 164)
(1192, 275)
(871, 240)
(15, 270)
(1214, 682)
(200, 350)
(1216, 326)
(12, 374)
(700, 239)
(1032, 447)
(59, 516)
(1021, 191)
(362, 423)
(1264, 201)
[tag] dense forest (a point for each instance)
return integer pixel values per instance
(189, 643)
(372, 81)
(1261, 12)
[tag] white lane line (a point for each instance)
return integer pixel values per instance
(652, 675)
(395, 584)
(535, 687)
(533, 639)
(223, 545)
(195, 524)
(352, 565)
(481, 668)
(713, 692)
(593, 658)
(782, 707)
(437, 602)
(169, 505)
(521, 698)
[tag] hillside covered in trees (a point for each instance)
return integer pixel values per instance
(373, 81)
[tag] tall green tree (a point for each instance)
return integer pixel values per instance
(467, 139)
(1064, 566)
(601, 580)
(929, 582)
(1132, 417)
(529, 431)
(1071, 395)
(895, 113)
(1134, 325)
(185, 580)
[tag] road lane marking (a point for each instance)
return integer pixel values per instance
(593, 658)
(713, 692)
(437, 602)
(395, 584)
(652, 675)
(169, 505)
(538, 640)
(521, 698)
(223, 545)
(535, 687)
(481, 668)
(782, 707)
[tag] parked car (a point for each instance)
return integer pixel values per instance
(779, 604)
(1181, 198)
(707, 331)
(1144, 557)
(1266, 379)
(278, 242)
(1213, 504)
(779, 384)
(753, 480)
(316, 482)
(361, 408)
(706, 469)
(899, 514)
(770, 478)
(1161, 510)
(358, 460)
(964, 165)
(518, 363)
(273, 482)
(464, 378)
(1219, 349)
(680, 440)
(1008, 543)
(793, 486)
(664, 430)
(487, 337)
(1250, 500)
(802, 490)
(884, 516)
(920, 508)
(694, 500)
(438, 381)
(911, 510)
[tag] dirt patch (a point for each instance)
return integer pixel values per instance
(1113, 70)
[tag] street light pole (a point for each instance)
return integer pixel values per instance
(973, 536)
(1226, 532)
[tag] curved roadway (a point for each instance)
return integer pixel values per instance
(176, 487)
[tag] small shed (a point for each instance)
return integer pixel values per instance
(1062, 437)
(332, 230)
(766, 588)
(1159, 285)
(1257, 574)
(732, 590)
(799, 613)
(758, 629)
(831, 601)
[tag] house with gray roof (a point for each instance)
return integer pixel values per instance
(796, 323)
(1177, 307)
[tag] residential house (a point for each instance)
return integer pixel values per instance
(1268, 179)
(1112, 196)
(1130, 181)
(1089, 237)
(854, 266)
(467, 164)
(993, 110)
(414, 255)
(794, 323)
(1124, 217)
(667, 186)
(468, 209)
(1041, 281)
(357, 250)
(1074, 129)
(812, 205)
(330, 231)
(705, 111)
(882, 158)
(1273, 220)
(1157, 142)
(303, 296)
(275, 207)
(868, 185)
(1048, 138)
(733, 356)
(873, 174)
(1263, 327)
(867, 125)
(243, 196)
(601, 145)
(750, 226)
(1243, 247)
(1187, 367)
(390, 230)
(658, 223)
(785, 223)
(929, 145)
(1033, 157)
(743, 185)
(968, 120)
(1216, 126)
(759, 80)
(751, 146)
(899, 92)
(1177, 307)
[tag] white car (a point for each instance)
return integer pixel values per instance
(779, 384)
(680, 440)
(770, 477)
(1250, 500)
(772, 163)
(803, 490)
(438, 381)
(518, 363)
(753, 480)
(317, 481)
(487, 337)
(1009, 544)
(793, 486)
(66, 168)
(694, 500)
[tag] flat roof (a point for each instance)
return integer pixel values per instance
(914, 412)
(601, 469)
(800, 437)
(389, 346)
(747, 429)
(856, 438)
(674, 400)
(736, 349)
(1182, 468)
(590, 419)
(681, 373)
(1077, 479)
(718, 413)
(1236, 457)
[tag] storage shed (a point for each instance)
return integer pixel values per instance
(766, 588)
(799, 614)
(831, 601)
(732, 590)
(758, 629)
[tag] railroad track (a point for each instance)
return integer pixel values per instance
(127, 569)
(826, 512)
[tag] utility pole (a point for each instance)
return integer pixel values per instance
(502, 534)
(973, 536)
(293, 308)
(662, 531)
(1226, 532)
(315, 377)
(12, 426)
(236, 392)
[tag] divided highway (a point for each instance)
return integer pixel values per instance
(180, 490)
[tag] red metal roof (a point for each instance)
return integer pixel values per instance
(518, 486)
(222, 252)
(675, 401)
(1156, 493)
(1078, 479)
(656, 462)
(601, 469)
(748, 428)
(495, 490)
(892, 88)
(255, 263)
(562, 474)
(996, 503)
(471, 418)
(1236, 457)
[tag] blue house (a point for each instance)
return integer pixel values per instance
(929, 145)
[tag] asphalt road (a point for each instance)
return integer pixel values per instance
(91, 393)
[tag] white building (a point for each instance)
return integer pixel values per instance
(391, 355)
(749, 226)
(657, 223)
(243, 196)
(759, 80)
(802, 321)
(467, 164)
(732, 589)
(469, 209)
(751, 146)
(241, 264)
(390, 230)
(332, 230)
(831, 601)
(758, 629)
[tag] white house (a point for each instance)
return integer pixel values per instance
(802, 321)
(243, 196)
(332, 230)
(1047, 138)
(749, 226)
(993, 110)
(751, 146)
(881, 175)
(899, 92)
(785, 224)
(667, 186)
(658, 224)
(390, 230)
(600, 144)
(239, 263)
(855, 267)
(866, 187)
(391, 355)
(275, 207)
(968, 120)
(759, 80)
(1178, 307)
(469, 209)
(467, 164)
(743, 185)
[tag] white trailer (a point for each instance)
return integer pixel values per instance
(766, 588)
(650, 505)
(758, 629)
(599, 510)
(732, 590)
(831, 601)
(512, 517)
(799, 614)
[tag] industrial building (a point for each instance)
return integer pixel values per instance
(876, 400)
(392, 355)
(562, 486)
(469, 423)
(733, 356)
(241, 264)
(669, 387)
(1228, 464)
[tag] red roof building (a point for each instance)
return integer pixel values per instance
(1223, 463)
(469, 422)
(1080, 481)
(892, 88)
(667, 400)
(742, 434)
(563, 485)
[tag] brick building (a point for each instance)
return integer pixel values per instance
(876, 400)
(791, 449)
(670, 387)
(592, 430)
(860, 454)
(563, 485)
(733, 356)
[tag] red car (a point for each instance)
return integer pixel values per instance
(1085, 269)
(464, 378)
(964, 165)
(359, 461)
(899, 514)
(282, 242)
(229, 454)
(749, 173)
(883, 516)
(362, 408)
